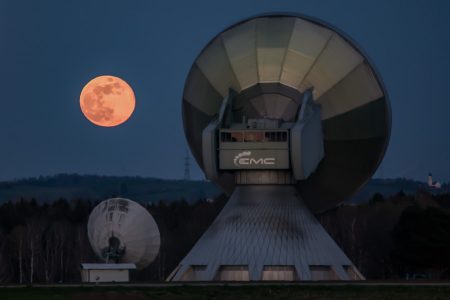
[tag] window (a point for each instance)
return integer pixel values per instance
(233, 273)
(194, 273)
(236, 136)
(254, 136)
(225, 137)
(279, 273)
(231, 136)
(276, 136)
(320, 272)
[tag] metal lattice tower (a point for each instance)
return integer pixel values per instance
(187, 165)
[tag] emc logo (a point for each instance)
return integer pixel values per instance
(244, 159)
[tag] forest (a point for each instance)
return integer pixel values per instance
(404, 236)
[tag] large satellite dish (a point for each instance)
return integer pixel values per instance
(290, 118)
(270, 62)
(122, 231)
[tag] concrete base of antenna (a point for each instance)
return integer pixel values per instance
(265, 232)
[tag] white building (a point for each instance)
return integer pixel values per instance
(433, 184)
(106, 272)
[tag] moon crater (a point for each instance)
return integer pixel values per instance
(107, 101)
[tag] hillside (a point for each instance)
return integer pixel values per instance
(149, 190)
(389, 187)
(93, 187)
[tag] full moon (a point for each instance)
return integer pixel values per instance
(107, 101)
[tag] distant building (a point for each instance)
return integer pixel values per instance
(106, 272)
(433, 184)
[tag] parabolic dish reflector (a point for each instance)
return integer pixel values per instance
(270, 61)
(121, 230)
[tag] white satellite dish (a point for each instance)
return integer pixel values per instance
(122, 231)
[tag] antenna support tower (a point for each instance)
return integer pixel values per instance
(289, 117)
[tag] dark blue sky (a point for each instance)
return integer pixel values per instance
(50, 49)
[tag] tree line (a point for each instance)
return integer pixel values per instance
(402, 236)
(46, 243)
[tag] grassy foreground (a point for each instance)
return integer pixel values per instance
(228, 292)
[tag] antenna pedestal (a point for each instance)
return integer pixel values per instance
(265, 232)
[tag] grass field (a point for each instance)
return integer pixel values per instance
(228, 292)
